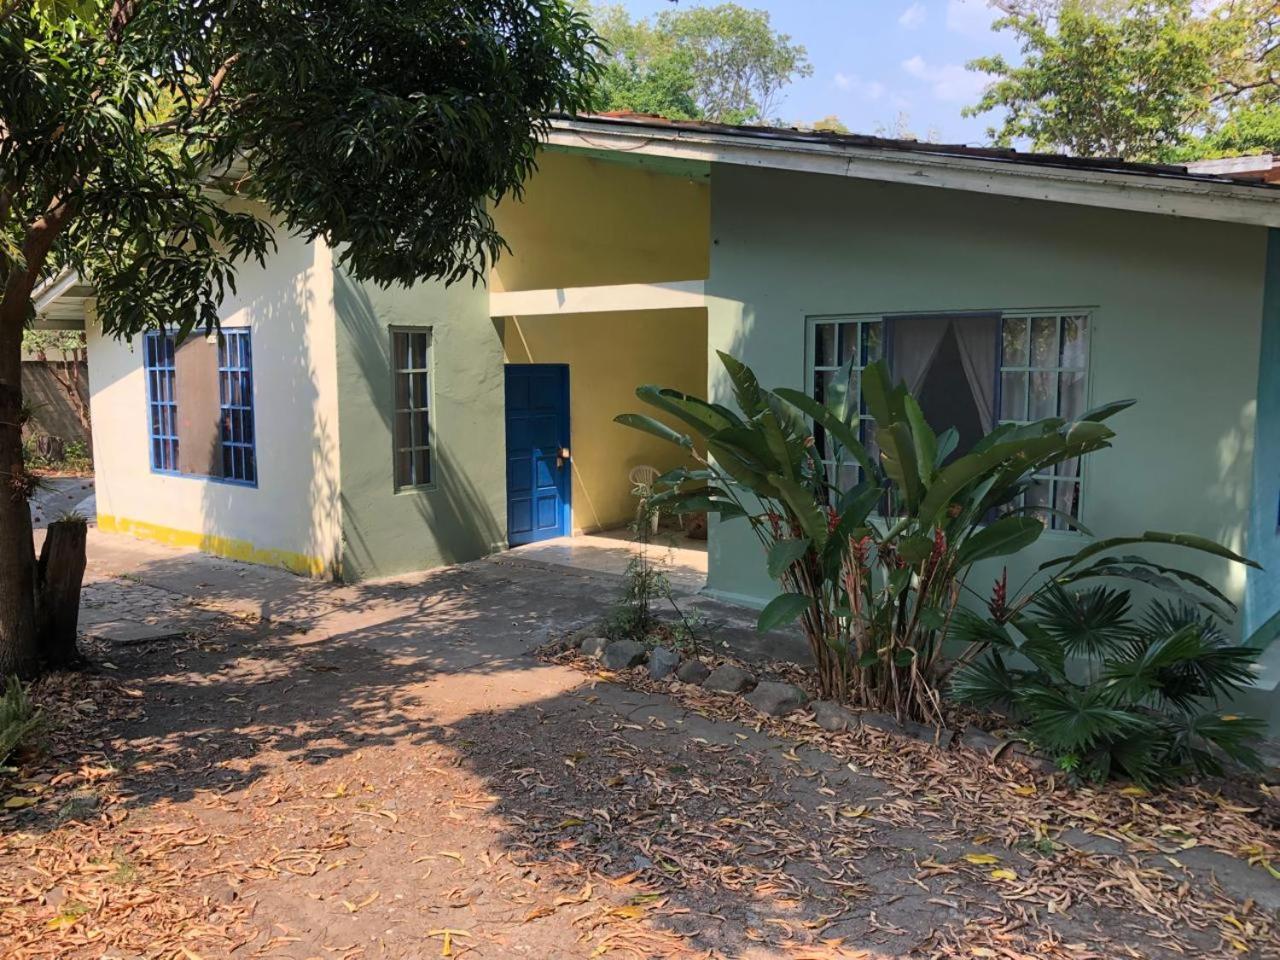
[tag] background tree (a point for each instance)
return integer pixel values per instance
(382, 126)
(724, 63)
(1141, 79)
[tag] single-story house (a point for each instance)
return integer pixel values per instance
(342, 430)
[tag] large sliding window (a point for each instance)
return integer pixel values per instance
(969, 371)
(200, 405)
(411, 359)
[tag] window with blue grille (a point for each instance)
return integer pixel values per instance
(235, 387)
(162, 401)
(200, 405)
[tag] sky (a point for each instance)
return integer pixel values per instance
(874, 60)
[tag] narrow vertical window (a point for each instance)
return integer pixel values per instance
(162, 402)
(411, 359)
(1043, 363)
(235, 390)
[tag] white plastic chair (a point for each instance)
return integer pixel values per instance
(642, 479)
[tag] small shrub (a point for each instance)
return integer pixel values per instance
(1141, 698)
(19, 720)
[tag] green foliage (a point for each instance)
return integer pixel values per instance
(872, 571)
(383, 127)
(19, 720)
(723, 63)
(1142, 697)
(1165, 80)
(1092, 83)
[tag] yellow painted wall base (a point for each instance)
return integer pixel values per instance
(232, 549)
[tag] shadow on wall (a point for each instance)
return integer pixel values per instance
(385, 531)
(294, 507)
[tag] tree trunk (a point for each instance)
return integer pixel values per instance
(17, 551)
(58, 577)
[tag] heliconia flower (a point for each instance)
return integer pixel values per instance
(998, 605)
(833, 519)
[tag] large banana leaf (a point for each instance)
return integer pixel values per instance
(839, 430)
(746, 388)
(1189, 540)
(639, 421)
(706, 418)
(1007, 535)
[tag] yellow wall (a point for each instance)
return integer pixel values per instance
(609, 355)
(590, 222)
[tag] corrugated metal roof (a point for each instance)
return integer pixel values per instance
(924, 148)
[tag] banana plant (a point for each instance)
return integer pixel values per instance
(873, 571)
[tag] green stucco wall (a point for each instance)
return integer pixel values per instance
(1176, 307)
(462, 515)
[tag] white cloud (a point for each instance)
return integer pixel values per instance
(868, 90)
(913, 16)
(949, 82)
(971, 17)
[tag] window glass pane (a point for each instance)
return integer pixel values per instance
(418, 390)
(872, 342)
(824, 345)
(422, 466)
(421, 429)
(1044, 341)
(404, 468)
(404, 436)
(1014, 347)
(419, 352)
(822, 380)
(1039, 494)
(402, 391)
(1013, 396)
(1066, 499)
(1044, 395)
(848, 343)
(1074, 353)
(1071, 394)
(400, 350)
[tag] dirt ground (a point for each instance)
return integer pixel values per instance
(266, 767)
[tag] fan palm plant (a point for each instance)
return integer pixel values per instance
(1106, 693)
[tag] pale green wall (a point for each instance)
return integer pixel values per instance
(1263, 607)
(463, 515)
(1176, 308)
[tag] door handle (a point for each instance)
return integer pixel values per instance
(562, 457)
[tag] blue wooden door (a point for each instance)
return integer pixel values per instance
(538, 475)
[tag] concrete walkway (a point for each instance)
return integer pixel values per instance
(381, 764)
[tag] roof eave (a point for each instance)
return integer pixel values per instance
(1204, 198)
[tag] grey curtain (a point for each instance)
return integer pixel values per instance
(915, 346)
(976, 337)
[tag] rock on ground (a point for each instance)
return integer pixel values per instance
(729, 678)
(693, 671)
(831, 716)
(776, 699)
(662, 662)
(594, 646)
(622, 654)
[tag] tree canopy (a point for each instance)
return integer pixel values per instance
(1141, 79)
(723, 63)
(126, 126)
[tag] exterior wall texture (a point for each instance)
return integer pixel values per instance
(461, 514)
(609, 355)
(1175, 308)
(290, 518)
(586, 221)
(1262, 611)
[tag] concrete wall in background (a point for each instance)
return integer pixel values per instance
(609, 355)
(52, 412)
(1176, 308)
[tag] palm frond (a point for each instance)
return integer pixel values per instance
(987, 683)
(1069, 719)
(1092, 622)
(1135, 676)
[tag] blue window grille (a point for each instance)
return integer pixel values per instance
(235, 386)
(162, 402)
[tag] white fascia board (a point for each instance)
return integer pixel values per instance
(48, 293)
(616, 298)
(1168, 196)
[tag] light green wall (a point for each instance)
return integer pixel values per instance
(1176, 308)
(463, 514)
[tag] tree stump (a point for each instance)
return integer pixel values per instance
(59, 574)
